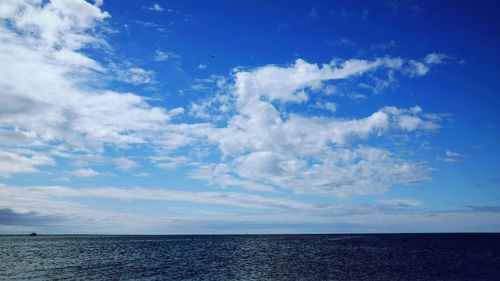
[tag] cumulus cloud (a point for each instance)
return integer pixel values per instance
(124, 163)
(289, 84)
(329, 106)
(221, 175)
(17, 163)
(313, 154)
(55, 102)
(421, 67)
(256, 142)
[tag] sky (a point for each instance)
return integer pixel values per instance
(200, 117)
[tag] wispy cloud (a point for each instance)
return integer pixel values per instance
(84, 173)
(341, 42)
(313, 14)
(131, 74)
(155, 7)
(12, 163)
(451, 157)
(164, 56)
(57, 209)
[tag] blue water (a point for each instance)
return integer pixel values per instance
(252, 257)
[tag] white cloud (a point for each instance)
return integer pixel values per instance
(420, 68)
(340, 173)
(451, 157)
(124, 164)
(261, 144)
(417, 68)
(452, 154)
(58, 24)
(386, 215)
(229, 199)
(219, 175)
(310, 154)
(164, 56)
(202, 66)
(400, 202)
(56, 101)
(155, 7)
(330, 106)
(18, 163)
(84, 173)
(435, 58)
(412, 119)
(170, 162)
(288, 84)
(131, 74)
(176, 111)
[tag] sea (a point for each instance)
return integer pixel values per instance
(252, 257)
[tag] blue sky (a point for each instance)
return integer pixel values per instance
(263, 117)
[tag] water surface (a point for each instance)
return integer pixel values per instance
(252, 257)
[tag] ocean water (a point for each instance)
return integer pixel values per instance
(252, 257)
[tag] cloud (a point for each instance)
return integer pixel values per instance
(19, 163)
(202, 66)
(341, 42)
(229, 199)
(264, 144)
(420, 68)
(164, 56)
(400, 203)
(155, 7)
(54, 206)
(125, 164)
(381, 46)
(170, 162)
(11, 217)
(489, 209)
(84, 173)
(313, 14)
(57, 101)
(59, 24)
(288, 84)
(256, 141)
(451, 156)
(329, 106)
(131, 74)
(417, 68)
(435, 58)
(221, 175)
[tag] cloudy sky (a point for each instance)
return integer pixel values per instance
(262, 117)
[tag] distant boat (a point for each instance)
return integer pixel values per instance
(32, 234)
